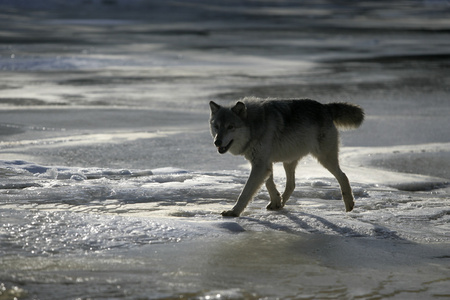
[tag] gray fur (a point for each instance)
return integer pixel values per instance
(268, 131)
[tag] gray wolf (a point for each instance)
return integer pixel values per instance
(268, 131)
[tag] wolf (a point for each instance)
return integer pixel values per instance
(266, 131)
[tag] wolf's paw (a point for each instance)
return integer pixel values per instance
(349, 207)
(230, 213)
(274, 206)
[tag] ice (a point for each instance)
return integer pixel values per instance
(169, 192)
(75, 220)
(111, 188)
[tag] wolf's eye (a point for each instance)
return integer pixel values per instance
(230, 127)
(216, 127)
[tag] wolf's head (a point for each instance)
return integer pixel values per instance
(228, 127)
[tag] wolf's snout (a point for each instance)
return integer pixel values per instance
(218, 143)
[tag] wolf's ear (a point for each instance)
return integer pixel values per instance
(240, 109)
(214, 107)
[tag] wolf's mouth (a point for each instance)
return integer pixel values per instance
(222, 150)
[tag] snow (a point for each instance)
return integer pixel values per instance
(180, 198)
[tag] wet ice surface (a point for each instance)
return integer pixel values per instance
(111, 188)
(157, 233)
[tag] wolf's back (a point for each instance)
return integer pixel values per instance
(346, 115)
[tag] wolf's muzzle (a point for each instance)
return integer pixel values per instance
(222, 149)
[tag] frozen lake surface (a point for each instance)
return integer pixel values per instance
(111, 188)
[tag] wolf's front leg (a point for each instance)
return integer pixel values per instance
(258, 175)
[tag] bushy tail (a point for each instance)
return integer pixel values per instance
(346, 115)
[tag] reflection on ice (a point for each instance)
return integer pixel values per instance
(46, 233)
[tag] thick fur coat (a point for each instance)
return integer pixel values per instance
(268, 131)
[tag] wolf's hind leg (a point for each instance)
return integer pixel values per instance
(331, 163)
(275, 197)
(290, 181)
